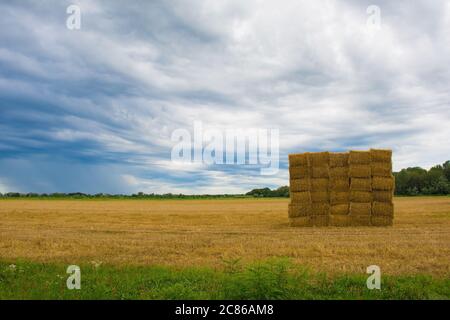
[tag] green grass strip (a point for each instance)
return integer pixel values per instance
(273, 279)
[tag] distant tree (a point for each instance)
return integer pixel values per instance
(13, 195)
(446, 169)
(58, 195)
(282, 192)
(442, 186)
(410, 181)
(415, 181)
(78, 195)
(264, 192)
(267, 193)
(32, 195)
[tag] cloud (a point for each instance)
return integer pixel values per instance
(94, 109)
(4, 188)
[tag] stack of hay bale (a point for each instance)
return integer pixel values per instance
(360, 175)
(300, 208)
(341, 189)
(383, 188)
(309, 181)
(320, 199)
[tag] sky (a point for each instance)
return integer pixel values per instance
(94, 109)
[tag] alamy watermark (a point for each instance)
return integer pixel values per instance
(74, 280)
(373, 21)
(374, 280)
(73, 21)
(253, 147)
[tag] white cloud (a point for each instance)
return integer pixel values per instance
(4, 188)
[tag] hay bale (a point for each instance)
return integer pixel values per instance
(380, 155)
(360, 184)
(360, 171)
(339, 172)
(298, 160)
(300, 222)
(339, 159)
(299, 172)
(319, 196)
(340, 209)
(339, 184)
(360, 196)
(383, 183)
(320, 221)
(382, 209)
(382, 196)
(340, 221)
(360, 208)
(339, 197)
(317, 159)
(358, 221)
(319, 184)
(381, 221)
(299, 210)
(301, 197)
(359, 157)
(320, 209)
(320, 172)
(382, 169)
(300, 185)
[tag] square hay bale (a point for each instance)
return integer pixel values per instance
(320, 221)
(299, 172)
(360, 184)
(320, 209)
(299, 210)
(340, 221)
(383, 183)
(339, 172)
(339, 197)
(300, 222)
(359, 171)
(319, 196)
(301, 197)
(317, 159)
(360, 208)
(319, 184)
(320, 172)
(382, 196)
(340, 209)
(338, 159)
(381, 155)
(298, 160)
(383, 209)
(382, 169)
(360, 196)
(381, 221)
(360, 220)
(339, 184)
(359, 157)
(297, 185)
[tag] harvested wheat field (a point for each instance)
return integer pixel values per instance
(209, 232)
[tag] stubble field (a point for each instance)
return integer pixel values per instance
(210, 233)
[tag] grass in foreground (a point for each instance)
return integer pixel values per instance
(273, 279)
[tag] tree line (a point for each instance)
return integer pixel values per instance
(140, 195)
(418, 181)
